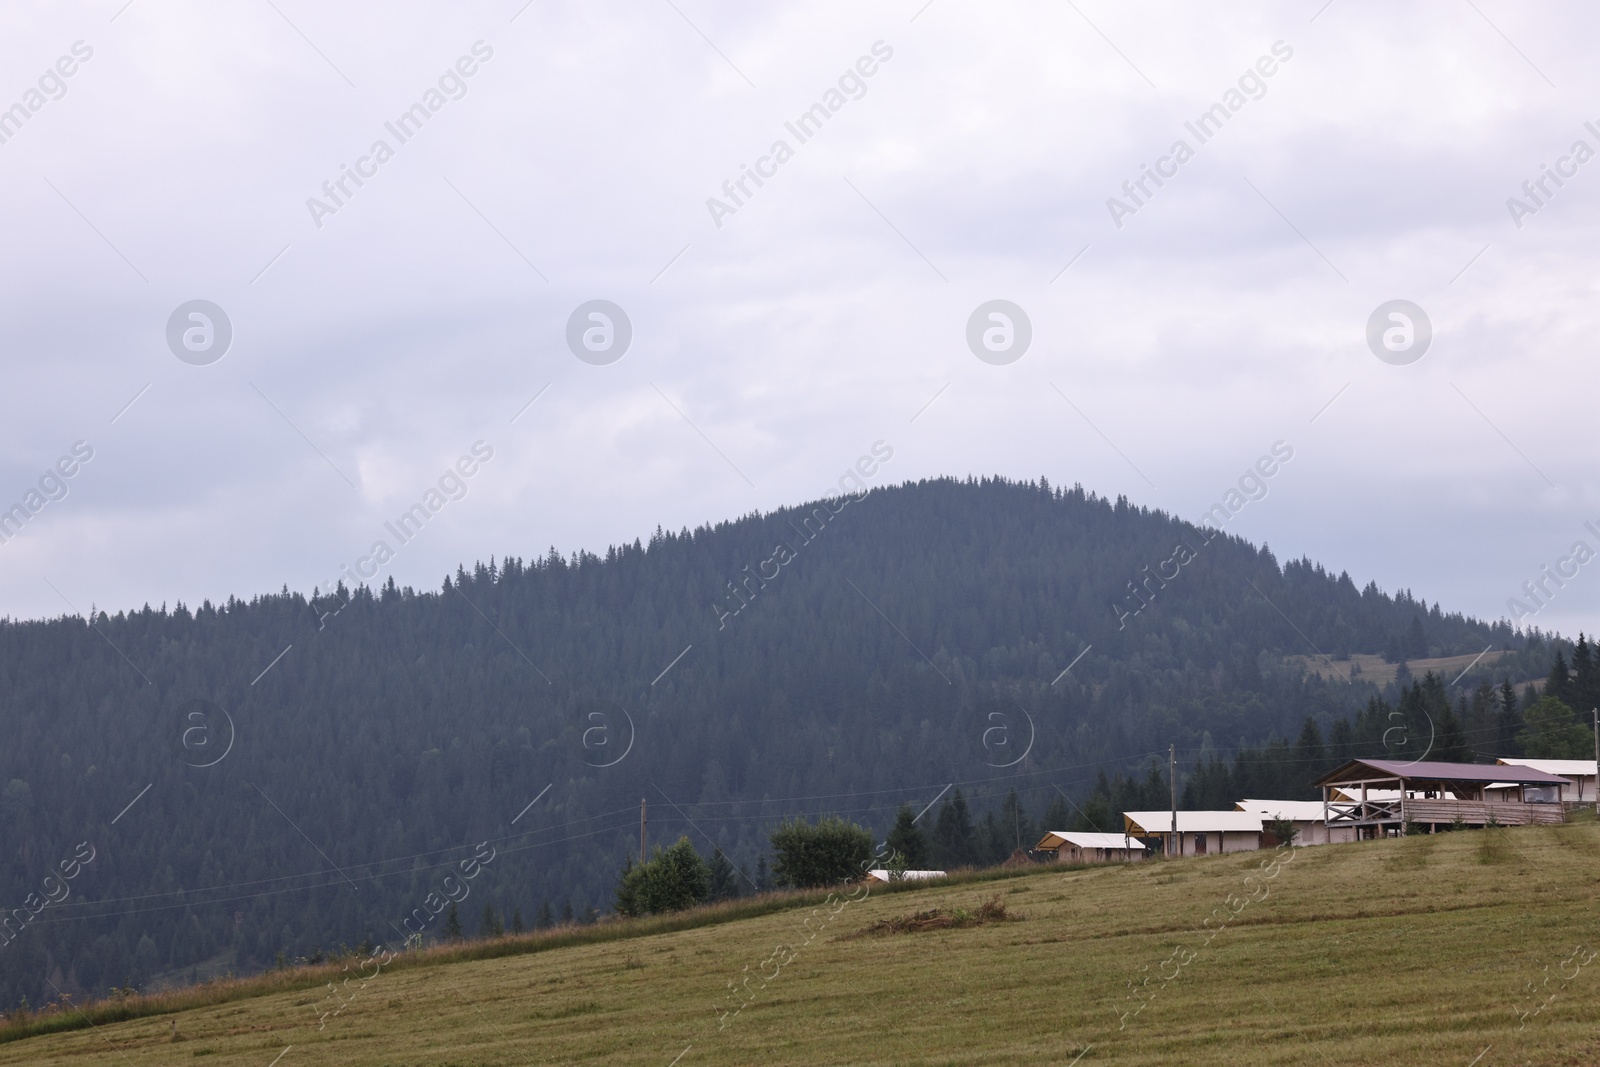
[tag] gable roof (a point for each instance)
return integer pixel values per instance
(1584, 767)
(1438, 771)
(1298, 810)
(1056, 838)
(882, 875)
(1149, 823)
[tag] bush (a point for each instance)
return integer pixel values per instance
(670, 880)
(831, 852)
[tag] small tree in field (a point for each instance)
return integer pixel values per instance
(831, 852)
(1283, 829)
(671, 880)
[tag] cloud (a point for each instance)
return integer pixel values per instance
(824, 315)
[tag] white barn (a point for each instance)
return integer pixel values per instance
(1581, 772)
(1200, 833)
(882, 875)
(1073, 847)
(1308, 816)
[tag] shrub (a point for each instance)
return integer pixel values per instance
(670, 880)
(831, 852)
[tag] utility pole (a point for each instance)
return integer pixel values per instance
(641, 829)
(1596, 713)
(1172, 778)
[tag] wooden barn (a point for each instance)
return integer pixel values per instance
(1073, 847)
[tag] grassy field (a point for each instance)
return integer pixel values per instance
(1460, 948)
(1369, 668)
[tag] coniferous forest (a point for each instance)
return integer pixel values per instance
(264, 779)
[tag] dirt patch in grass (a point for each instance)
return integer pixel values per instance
(992, 910)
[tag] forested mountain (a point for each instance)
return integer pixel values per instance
(276, 775)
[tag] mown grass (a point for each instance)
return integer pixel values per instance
(1415, 951)
(60, 1017)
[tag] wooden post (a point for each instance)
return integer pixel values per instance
(1596, 713)
(1172, 778)
(641, 829)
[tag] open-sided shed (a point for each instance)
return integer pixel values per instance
(1431, 794)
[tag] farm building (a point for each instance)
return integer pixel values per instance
(1072, 847)
(1580, 772)
(1308, 817)
(1200, 833)
(1384, 795)
(881, 876)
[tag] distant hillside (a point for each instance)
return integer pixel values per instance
(847, 656)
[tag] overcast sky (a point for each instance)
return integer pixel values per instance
(381, 331)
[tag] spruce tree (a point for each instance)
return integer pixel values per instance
(724, 879)
(516, 921)
(544, 919)
(1055, 815)
(1309, 754)
(1559, 682)
(452, 923)
(1509, 721)
(1416, 640)
(954, 836)
(906, 839)
(1585, 677)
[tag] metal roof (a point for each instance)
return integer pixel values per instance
(1584, 767)
(1056, 838)
(1300, 810)
(1193, 822)
(1438, 771)
(882, 875)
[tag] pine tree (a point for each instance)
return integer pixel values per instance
(763, 876)
(544, 919)
(1055, 815)
(452, 923)
(1509, 721)
(1341, 743)
(1416, 640)
(1585, 683)
(906, 839)
(490, 925)
(516, 921)
(566, 912)
(1309, 754)
(724, 879)
(954, 836)
(1559, 683)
